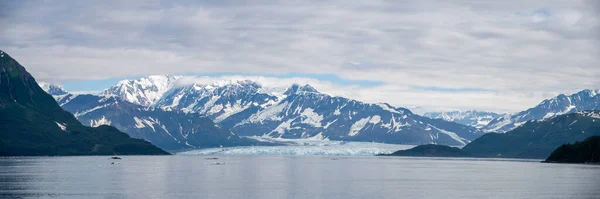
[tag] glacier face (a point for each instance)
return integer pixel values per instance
(477, 119)
(559, 105)
(305, 147)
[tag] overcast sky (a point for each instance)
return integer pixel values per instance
(438, 55)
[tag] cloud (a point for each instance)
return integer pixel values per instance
(514, 54)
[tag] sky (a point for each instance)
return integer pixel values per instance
(502, 56)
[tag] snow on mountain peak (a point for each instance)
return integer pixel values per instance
(52, 89)
(296, 88)
(477, 119)
(559, 105)
(144, 91)
(593, 93)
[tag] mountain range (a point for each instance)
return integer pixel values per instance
(477, 119)
(171, 130)
(176, 116)
(537, 138)
(559, 105)
(501, 123)
(249, 109)
(32, 123)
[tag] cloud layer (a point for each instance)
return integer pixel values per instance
(490, 55)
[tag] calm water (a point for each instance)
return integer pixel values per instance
(292, 177)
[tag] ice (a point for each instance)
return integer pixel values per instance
(208, 105)
(375, 119)
(356, 127)
(144, 91)
(499, 125)
(139, 123)
(283, 127)
(67, 98)
(230, 110)
(78, 114)
(268, 114)
(99, 122)
(388, 108)
(453, 136)
(309, 146)
(62, 126)
(330, 123)
(143, 123)
(573, 123)
(591, 114)
(337, 112)
(215, 109)
(311, 118)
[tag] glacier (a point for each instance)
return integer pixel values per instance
(308, 146)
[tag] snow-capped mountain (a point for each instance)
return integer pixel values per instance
(559, 105)
(304, 112)
(144, 91)
(477, 119)
(537, 139)
(219, 100)
(169, 130)
(249, 109)
(53, 89)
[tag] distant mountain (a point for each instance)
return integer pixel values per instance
(53, 89)
(169, 130)
(431, 150)
(477, 119)
(32, 123)
(587, 151)
(305, 112)
(537, 139)
(220, 100)
(562, 104)
(250, 109)
(144, 91)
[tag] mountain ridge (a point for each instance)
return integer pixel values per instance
(169, 129)
(583, 100)
(242, 105)
(32, 123)
(474, 118)
(537, 139)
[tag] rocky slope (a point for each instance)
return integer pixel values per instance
(170, 130)
(32, 123)
(537, 139)
(559, 105)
